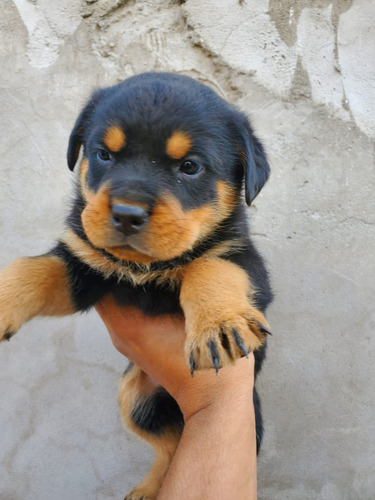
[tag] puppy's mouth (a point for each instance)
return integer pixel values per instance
(130, 253)
(128, 248)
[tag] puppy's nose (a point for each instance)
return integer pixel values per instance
(128, 219)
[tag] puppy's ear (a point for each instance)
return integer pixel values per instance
(254, 160)
(76, 139)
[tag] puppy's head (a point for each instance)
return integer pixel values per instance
(164, 162)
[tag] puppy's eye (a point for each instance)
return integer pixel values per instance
(104, 156)
(190, 167)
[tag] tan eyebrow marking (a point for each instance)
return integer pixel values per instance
(115, 138)
(178, 144)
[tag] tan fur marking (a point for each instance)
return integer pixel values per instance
(224, 248)
(216, 296)
(178, 145)
(33, 286)
(82, 178)
(134, 385)
(115, 139)
(172, 231)
(226, 198)
(223, 282)
(95, 217)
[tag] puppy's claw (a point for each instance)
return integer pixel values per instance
(263, 329)
(239, 342)
(8, 335)
(214, 355)
(192, 364)
(216, 363)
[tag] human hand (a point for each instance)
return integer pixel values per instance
(156, 345)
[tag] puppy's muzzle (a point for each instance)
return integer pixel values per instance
(128, 219)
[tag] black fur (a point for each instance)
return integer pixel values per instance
(157, 413)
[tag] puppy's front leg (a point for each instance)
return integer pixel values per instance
(222, 323)
(33, 286)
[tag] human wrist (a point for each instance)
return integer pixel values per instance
(206, 391)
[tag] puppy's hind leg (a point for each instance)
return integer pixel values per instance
(149, 411)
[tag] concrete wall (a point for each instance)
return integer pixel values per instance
(304, 71)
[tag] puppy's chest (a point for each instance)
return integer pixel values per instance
(154, 293)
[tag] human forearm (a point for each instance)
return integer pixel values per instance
(216, 457)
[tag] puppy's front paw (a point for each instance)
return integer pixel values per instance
(220, 341)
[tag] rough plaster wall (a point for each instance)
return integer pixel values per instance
(304, 71)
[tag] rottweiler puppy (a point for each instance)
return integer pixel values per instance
(158, 221)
